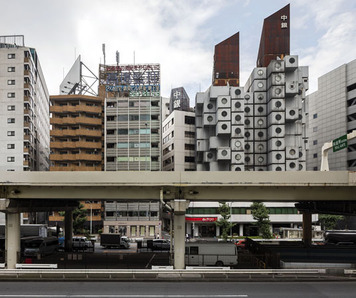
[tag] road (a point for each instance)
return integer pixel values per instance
(177, 289)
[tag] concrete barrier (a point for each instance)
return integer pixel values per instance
(36, 266)
(159, 274)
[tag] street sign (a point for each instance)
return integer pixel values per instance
(340, 143)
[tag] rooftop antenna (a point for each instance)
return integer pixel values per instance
(104, 53)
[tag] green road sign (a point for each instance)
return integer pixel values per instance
(340, 143)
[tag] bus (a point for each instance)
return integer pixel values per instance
(211, 254)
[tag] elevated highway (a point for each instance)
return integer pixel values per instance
(37, 191)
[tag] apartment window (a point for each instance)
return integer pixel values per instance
(189, 159)
(11, 133)
(10, 94)
(11, 82)
(10, 120)
(315, 129)
(10, 146)
(189, 134)
(315, 168)
(11, 56)
(189, 146)
(10, 159)
(315, 155)
(189, 120)
(315, 142)
(11, 69)
(10, 170)
(315, 116)
(11, 108)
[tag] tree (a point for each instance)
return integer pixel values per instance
(260, 214)
(79, 219)
(224, 222)
(329, 222)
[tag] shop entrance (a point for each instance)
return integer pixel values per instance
(207, 230)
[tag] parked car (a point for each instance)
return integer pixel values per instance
(240, 243)
(161, 244)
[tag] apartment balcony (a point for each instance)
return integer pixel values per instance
(79, 144)
(76, 120)
(75, 132)
(75, 157)
(75, 109)
(75, 168)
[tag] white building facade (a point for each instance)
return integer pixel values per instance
(332, 114)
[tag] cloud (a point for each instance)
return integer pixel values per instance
(337, 40)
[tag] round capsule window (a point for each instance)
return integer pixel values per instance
(260, 159)
(292, 112)
(260, 72)
(260, 147)
(224, 113)
(237, 91)
(300, 167)
(278, 91)
(237, 130)
(247, 96)
(260, 109)
(278, 104)
(210, 106)
(224, 126)
(237, 143)
(278, 78)
(278, 117)
(247, 110)
(260, 122)
(260, 134)
(278, 143)
(291, 60)
(237, 169)
(224, 100)
(247, 159)
(292, 165)
(210, 155)
(210, 118)
(247, 121)
(260, 97)
(238, 156)
(238, 118)
(224, 152)
(260, 85)
(279, 169)
(278, 156)
(278, 65)
(247, 146)
(278, 130)
(292, 152)
(247, 134)
(237, 105)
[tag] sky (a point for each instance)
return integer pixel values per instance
(178, 34)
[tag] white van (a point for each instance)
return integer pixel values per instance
(41, 246)
(210, 254)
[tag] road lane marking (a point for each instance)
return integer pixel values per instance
(125, 296)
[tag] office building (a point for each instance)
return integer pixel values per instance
(178, 135)
(132, 141)
(332, 114)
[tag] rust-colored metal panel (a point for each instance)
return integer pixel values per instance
(227, 62)
(275, 37)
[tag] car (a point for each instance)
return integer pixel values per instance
(161, 244)
(81, 243)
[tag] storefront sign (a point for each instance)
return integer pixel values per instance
(201, 219)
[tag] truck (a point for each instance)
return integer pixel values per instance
(114, 240)
(210, 254)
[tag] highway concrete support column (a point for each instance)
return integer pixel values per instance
(68, 230)
(179, 207)
(307, 228)
(12, 240)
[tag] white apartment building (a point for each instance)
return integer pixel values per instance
(332, 114)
